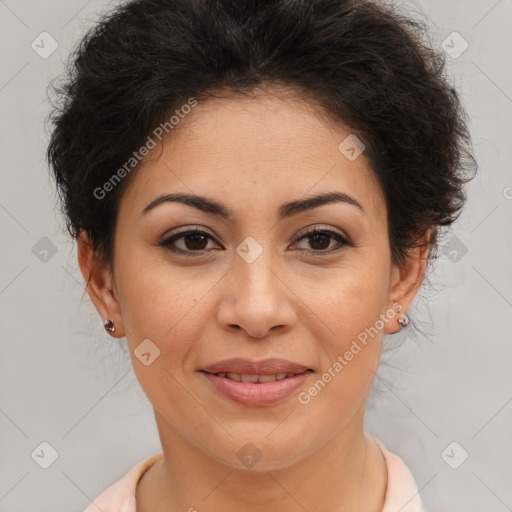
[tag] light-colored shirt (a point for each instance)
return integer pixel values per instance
(401, 492)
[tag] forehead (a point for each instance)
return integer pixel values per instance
(255, 150)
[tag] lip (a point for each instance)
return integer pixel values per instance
(264, 367)
(257, 393)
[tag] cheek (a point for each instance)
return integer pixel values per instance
(351, 302)
(350, 309)
(160, 306)
(350, 346)
(159, 303)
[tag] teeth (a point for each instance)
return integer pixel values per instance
(266, 378)
(254, 378)
(250, 378)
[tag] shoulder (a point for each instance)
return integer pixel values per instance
(120, 496)
(401, 493)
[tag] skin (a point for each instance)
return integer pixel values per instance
(253, 154)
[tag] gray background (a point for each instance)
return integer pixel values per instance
(65, 382)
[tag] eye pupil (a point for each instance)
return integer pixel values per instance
(319, 236)
(195, 238)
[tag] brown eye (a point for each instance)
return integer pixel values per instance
(195, 242)
(319, 241)
(191, 241)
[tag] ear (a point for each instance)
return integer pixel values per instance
(406, 281)
(99, 280)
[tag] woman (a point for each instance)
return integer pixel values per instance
(256, 189)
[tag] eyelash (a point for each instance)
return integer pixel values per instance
(167, 242)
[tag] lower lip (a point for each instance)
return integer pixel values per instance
(255, 393)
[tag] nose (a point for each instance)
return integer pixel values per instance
(257, 299)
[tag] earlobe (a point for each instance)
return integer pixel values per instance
(98, 279)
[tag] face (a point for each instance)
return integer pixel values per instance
(193, 287)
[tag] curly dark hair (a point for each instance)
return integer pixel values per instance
(366, 65)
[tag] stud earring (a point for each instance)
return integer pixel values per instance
(403, 320)
(109, 325)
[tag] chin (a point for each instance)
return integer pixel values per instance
(262, 452)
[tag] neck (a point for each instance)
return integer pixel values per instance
(349, 473)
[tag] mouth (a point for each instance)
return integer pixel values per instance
(246, 367)
(254, 378)
(256, 383)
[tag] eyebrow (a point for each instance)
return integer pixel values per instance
(288, 209)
